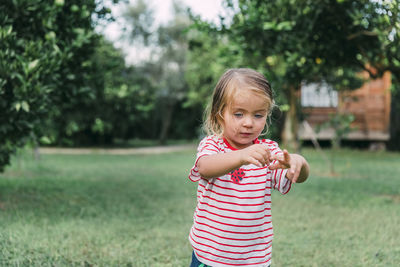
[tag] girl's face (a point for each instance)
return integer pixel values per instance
(245, 119)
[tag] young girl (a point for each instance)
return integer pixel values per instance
(236, 172)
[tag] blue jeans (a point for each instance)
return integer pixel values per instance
(196, 263)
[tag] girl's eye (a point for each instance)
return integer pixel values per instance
(259, 116)
(238, 115)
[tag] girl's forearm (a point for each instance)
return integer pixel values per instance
(219, 164)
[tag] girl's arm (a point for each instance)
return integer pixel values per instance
(299, 169)
(216, 165)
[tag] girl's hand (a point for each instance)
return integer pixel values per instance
(294, 163)
(256, 154)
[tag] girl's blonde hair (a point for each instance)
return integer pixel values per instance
(231, 83)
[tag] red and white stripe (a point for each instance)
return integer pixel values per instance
(232, 222)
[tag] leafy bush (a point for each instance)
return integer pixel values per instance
(44, 47)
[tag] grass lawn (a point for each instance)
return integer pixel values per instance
(110, 210)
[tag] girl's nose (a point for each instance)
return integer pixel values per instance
(248, 121)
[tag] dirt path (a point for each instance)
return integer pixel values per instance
(116, 151)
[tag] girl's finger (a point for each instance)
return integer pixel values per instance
(259, 157)
(277, 165)
(278, 157)
(267, 157)
(298, 170)
(289, 175)
(286, 156)
(254, 161)
(294, 173)
(274, 166)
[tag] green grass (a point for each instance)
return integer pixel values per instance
(108, 210)
(352, 219)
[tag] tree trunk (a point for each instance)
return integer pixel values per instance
(166, 121)
(290, 129)
(394, 142)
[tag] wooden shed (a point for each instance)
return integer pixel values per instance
(369, 104)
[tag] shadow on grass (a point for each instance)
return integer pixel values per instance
(101, 187)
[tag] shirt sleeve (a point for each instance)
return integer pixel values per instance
(208, 146)
(278, 178)
(280, 182)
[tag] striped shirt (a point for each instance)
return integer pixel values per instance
(232, 222)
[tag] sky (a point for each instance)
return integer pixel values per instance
(207, 9)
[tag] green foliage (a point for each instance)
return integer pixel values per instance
(44, 52)
(341, 124)
(29, 59)
(314, 40)
(168, 44)
(140, 19)
(120, 102)
(211, 54)
(86, 94)
(112, 102)
(306, 41)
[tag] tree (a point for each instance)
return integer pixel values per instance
(113, 104)
(210, 55)
(43, 45)
(168, 45)
(303, 41)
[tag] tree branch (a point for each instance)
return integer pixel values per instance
(368, 33)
